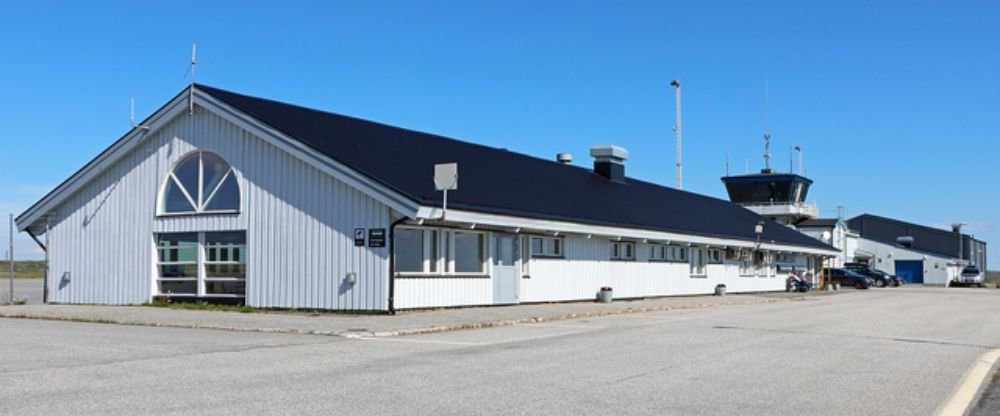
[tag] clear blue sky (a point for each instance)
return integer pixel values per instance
(896, 104)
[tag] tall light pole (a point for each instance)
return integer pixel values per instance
(677, 129)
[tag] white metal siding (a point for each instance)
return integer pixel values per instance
(936, 269)
(586, 268)
(299, 223)
(425, 292)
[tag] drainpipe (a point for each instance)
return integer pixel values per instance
(392, 264)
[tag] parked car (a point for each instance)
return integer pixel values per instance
(848, 278)
(882, 279)
(971, 276)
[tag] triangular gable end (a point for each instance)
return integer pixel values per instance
(178, 106)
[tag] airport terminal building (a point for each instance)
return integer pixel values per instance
(223, 196)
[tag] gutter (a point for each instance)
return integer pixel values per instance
(392, 264)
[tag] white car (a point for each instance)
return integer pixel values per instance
(971, 276)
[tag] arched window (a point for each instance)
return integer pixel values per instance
(202, 182)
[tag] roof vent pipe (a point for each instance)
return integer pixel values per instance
(564, 158)
(609, 162)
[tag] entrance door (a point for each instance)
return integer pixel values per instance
(912, 271)
(505, 269)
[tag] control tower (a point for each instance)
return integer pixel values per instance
(779, 196)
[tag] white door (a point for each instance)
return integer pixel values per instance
(505, 269)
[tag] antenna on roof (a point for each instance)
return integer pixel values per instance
(767, 131)
(131, 117)
(727, 162)
(194, 61)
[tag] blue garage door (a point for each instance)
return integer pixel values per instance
(910, 270)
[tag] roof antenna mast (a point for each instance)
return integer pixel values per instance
(767, 132)
(194, 61)
(677, 129)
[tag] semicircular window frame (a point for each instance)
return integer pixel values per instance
(198, 169)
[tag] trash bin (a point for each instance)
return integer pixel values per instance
(720, 290)
(605, 295)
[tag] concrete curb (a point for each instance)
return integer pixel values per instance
(973, 383)
(399, 332)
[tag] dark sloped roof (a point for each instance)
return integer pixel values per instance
(931, 240)
(498, 181)
(818, 222)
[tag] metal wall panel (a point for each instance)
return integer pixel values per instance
(586, 268)
(425, 292)
(936, 268)
(299, 224)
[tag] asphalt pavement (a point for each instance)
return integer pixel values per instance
(888, 351)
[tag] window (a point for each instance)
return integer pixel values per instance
(622, 250)
(469, 252)
(202, 182)
(201, 264)
(746, 262)
(697, 262)
(769, 268)
(715, 256)
(225, 264)
(658, 252)
(764, 264)
(546, 247)
(677, 253)
(409, 247)
(177, 266)
(439, 251)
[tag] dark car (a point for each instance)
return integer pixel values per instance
(882, 279)
(848, 278)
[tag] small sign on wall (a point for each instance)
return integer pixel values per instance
(376, 237)
(359, 237)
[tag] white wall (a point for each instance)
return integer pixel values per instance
(586, 269)
(840, 238)
(936, 268)
(299, 223)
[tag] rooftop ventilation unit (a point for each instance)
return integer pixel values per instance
(609, 162)
(905, 240)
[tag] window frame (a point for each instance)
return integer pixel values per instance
(715, 256)
(746, 262)
(439, 242)
(201, 263)
(615, 250)
(158, 276)
(206, 278)
(559, 253)
(196, 201)
(659, 253)
(677, 253)
(697, 263)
